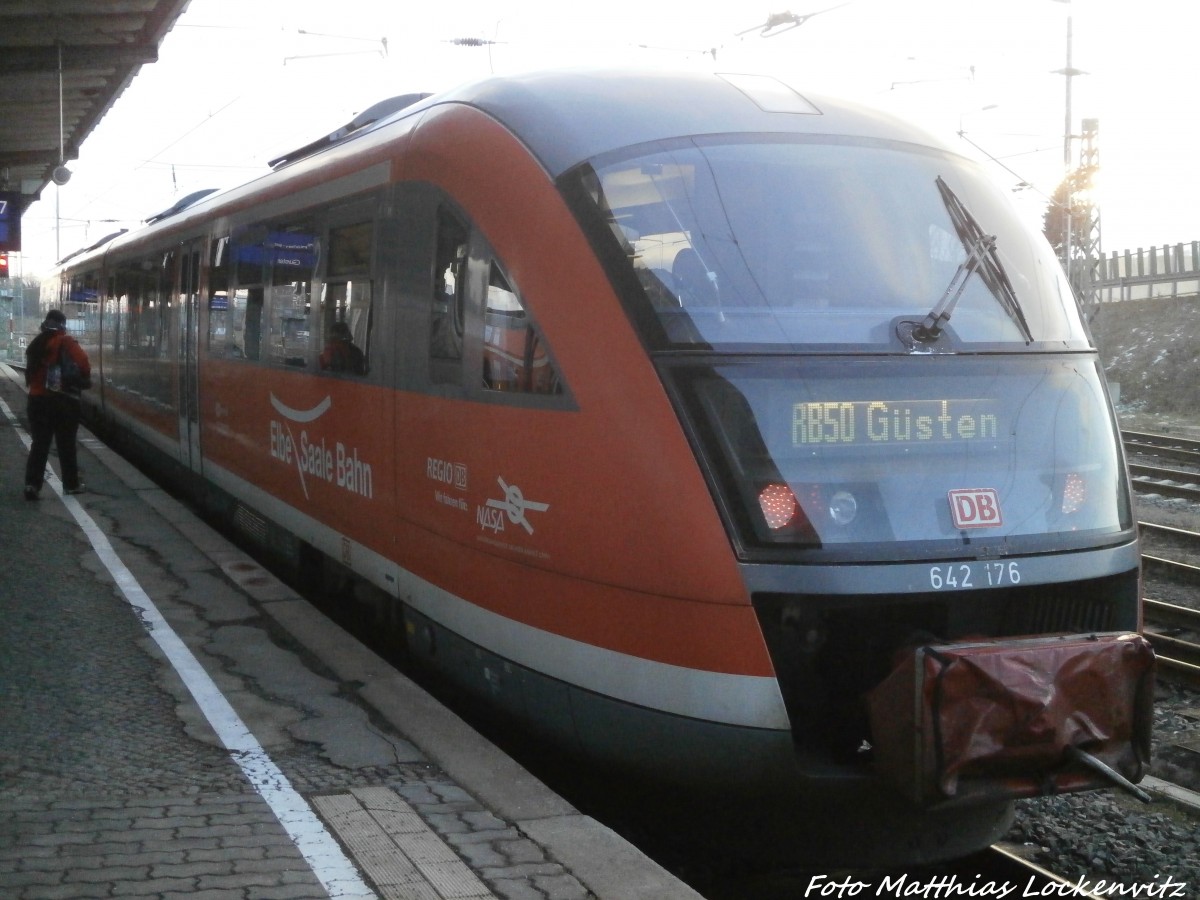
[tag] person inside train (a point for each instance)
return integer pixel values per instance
(341, 354)
(56, 370)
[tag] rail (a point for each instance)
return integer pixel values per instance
(1166, 481)
(1004, 864)
(1166, 624)
(1178, 659)
(1165, 446)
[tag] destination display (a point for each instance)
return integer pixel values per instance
(869, 422)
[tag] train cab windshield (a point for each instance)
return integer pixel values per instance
(779, 243)
(850, 457)
(872, 353)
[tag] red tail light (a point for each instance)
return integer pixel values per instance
(778, 504)
(1074, 494)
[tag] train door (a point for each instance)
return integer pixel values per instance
(189, 383)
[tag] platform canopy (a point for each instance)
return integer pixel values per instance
(98, 46)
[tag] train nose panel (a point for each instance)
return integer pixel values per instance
(1002, 719)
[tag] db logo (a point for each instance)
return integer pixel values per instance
(975, 508)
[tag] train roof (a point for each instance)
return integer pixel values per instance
(568, 116)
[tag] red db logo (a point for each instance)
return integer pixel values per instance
(975, 508)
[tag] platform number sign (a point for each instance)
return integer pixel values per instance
(10, 222)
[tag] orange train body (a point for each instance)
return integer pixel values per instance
(664, 441)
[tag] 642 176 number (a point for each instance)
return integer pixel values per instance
(964, 576)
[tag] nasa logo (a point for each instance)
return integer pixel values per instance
(513, 506)
(975, 508)
(490, 519)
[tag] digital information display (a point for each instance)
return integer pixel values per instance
(893, 422)
(10, 222)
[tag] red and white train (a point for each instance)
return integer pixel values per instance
(739, 437)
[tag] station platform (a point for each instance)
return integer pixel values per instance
(177, 723)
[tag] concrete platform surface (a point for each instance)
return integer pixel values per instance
(178, 723)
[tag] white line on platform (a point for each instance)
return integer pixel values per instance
(329, 863)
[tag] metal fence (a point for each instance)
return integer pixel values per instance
(1144, 273)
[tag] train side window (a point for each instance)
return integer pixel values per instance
(346, 327)
(515, 357)
(218, 297)
(344, 321)
(245, 297)
(153, 323)
(163, 294)
(142, 331)
(350, 248)
(251, 309)
(448, 301)
(118, 298)
(294, 251)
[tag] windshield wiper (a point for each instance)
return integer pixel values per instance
(981, 258)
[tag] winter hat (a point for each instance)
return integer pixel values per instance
(55, 321)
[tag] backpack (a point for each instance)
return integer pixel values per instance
(64, 374)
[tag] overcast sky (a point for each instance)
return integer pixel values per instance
(241, 81)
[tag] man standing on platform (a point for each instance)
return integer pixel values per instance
(56, 370)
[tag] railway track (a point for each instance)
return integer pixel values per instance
(1003, 864)
(1148, 455)
(1166, 623)
(1167, 482)
(1178, 659)
(1164, 446)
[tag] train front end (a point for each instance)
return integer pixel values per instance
(904, 424)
